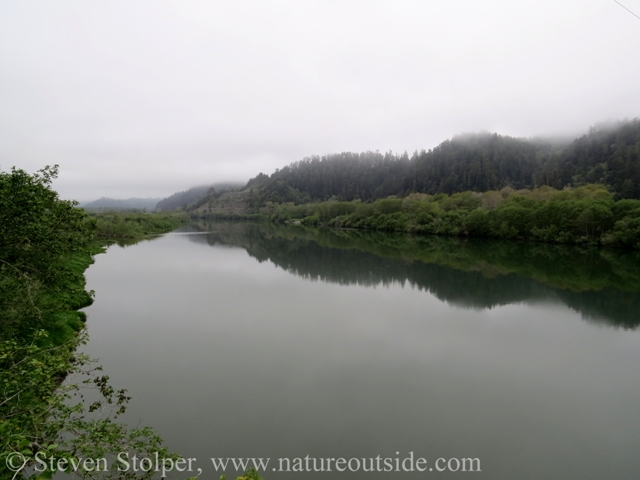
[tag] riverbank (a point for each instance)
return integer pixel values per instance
(45, 251)
(586, 215)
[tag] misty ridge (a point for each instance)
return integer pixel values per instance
(187, 197)
(175, 201)
(608, 154)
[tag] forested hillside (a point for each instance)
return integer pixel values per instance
(113, 204)
(182, 199)
(187, 197)
(609, 154)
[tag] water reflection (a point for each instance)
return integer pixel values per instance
(602, 285)
(227, 354)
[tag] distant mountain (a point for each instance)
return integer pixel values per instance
(105, 203)
(187, 197)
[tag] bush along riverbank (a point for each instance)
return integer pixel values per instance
(123, 225)
(45, 246)
(586, 215)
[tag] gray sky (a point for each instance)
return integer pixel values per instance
(145, 98)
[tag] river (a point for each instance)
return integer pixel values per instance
(241, 340)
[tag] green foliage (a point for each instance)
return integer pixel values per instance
(40, 415)
(43, 253)
(585, 215)
(36, 225)
(122, 225)
(46, 244)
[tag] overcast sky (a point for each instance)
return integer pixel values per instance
(145, 98)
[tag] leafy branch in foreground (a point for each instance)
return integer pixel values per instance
(57, 409)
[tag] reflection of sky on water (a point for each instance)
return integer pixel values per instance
(229, 356)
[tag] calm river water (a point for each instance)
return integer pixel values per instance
(241, 340)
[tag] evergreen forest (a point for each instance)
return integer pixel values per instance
(586, 191)
(608, 154)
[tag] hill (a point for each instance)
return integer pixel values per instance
(113, 204)
(187, 197)
(608, 154)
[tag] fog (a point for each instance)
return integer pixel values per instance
(145, 98)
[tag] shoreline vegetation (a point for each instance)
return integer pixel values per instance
(115, 226)
(586, 215)
(46, 244)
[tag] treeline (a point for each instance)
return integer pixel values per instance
(585, 215)
(608, 154)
